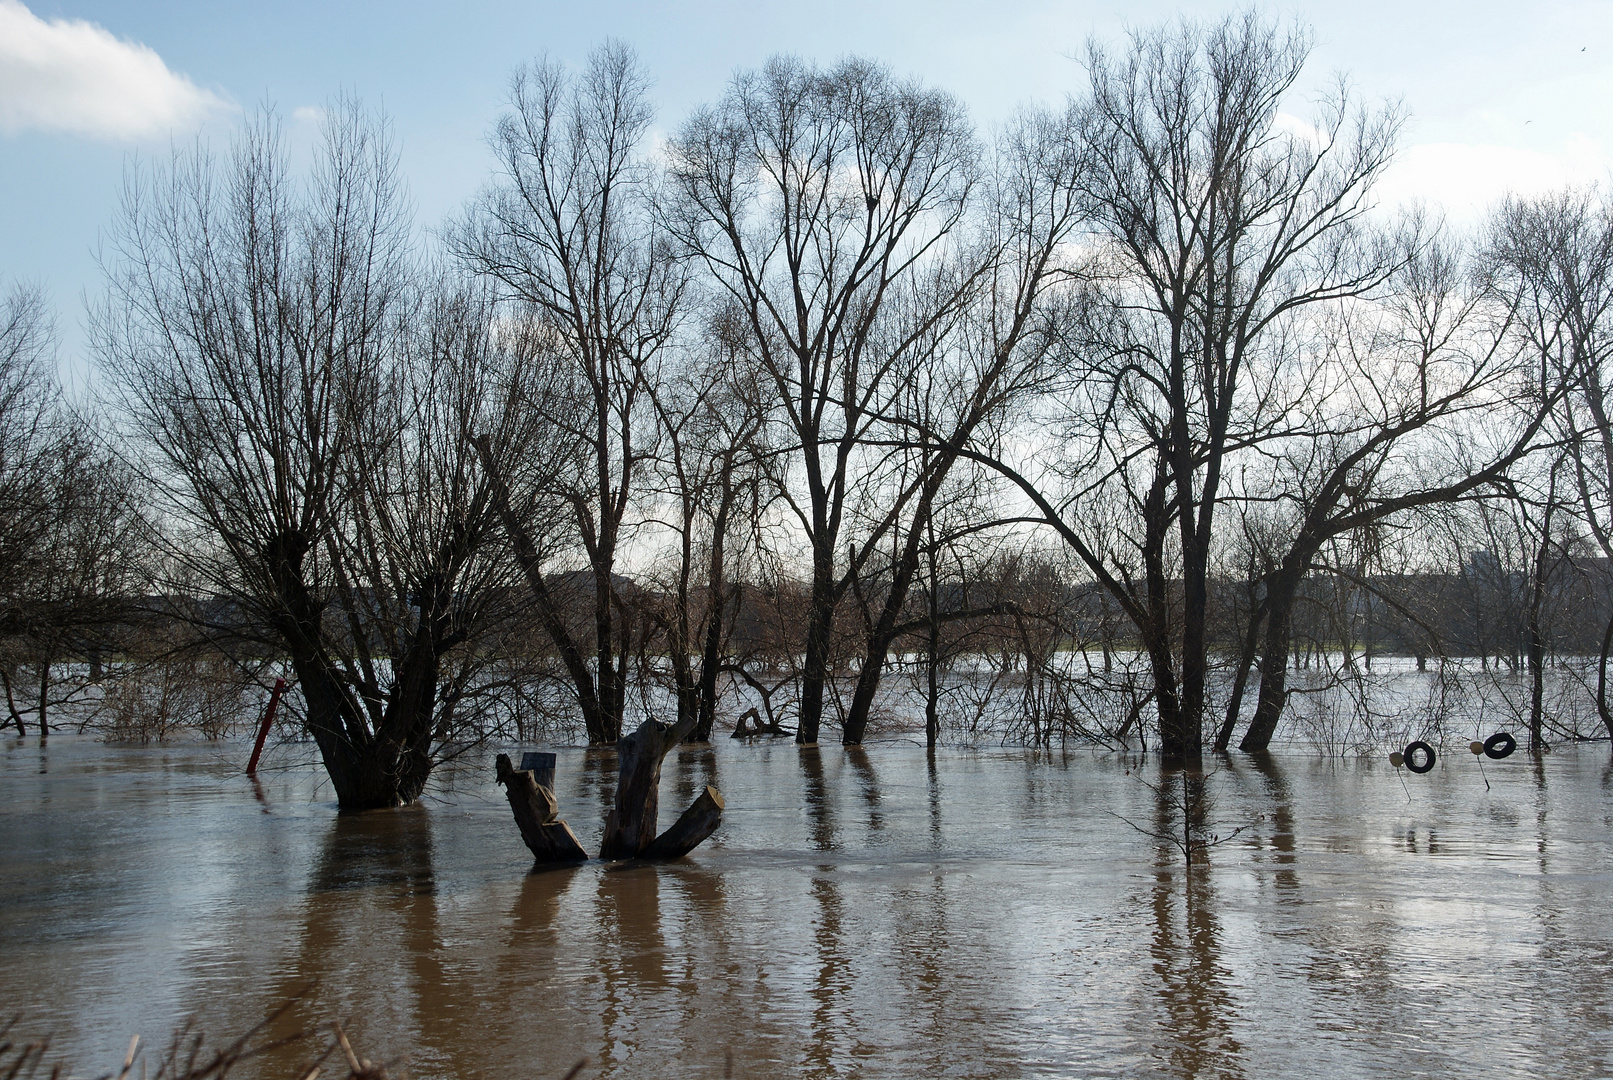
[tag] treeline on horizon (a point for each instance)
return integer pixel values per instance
(827, 403)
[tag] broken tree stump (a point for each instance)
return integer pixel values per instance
(541, 766)
(691, 829)
(549, 839)
(630, 826)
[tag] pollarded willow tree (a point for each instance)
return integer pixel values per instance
(303, 400)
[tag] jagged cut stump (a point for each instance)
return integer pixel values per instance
(549, 839)
(630, 826)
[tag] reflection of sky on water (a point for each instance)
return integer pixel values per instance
(872, 913)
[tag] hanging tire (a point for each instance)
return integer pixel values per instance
(1416, 764)
(1499, 745)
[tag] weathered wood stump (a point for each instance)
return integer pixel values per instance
(541, 766)
(550, 839)
(631, 825)
(691, 829)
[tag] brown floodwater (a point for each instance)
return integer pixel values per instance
(878, 913)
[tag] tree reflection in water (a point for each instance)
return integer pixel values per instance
(1199, 1010)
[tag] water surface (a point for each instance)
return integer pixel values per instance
(878, 913)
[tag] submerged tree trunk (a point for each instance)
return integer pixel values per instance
(1280, 596)
(377, 752)
(44, 699)
(1240, 681)
(710, 664)
(932, 655)
(1535, 647)
(1602, 707)
(815, 668)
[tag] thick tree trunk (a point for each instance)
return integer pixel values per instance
(610, 662)
(710, 664)
(1535, 643)
(1273, 698)
(372, 770)
(1183, 741)
(1240, 681)
(1536, 651)
(815, 668)
(1178, 741)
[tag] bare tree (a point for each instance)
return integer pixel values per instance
(1216, 228)
(711, 477)
(1554, 255)
(301, 404)
(28, 403)
(566, 229)
(992, 358)
(1425, 404)
(71, 531)
(822, 203)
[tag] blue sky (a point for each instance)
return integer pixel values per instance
(1498, 101)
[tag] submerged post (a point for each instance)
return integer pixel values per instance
(541, 766)
(263, 729)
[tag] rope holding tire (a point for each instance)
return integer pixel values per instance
(1415, 763)
(1499, 745)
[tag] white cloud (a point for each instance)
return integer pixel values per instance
(74, 76)
(1466, 179)
(1303, 130)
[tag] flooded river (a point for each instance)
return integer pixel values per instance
(991, 913)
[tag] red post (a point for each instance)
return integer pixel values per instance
(268, 722)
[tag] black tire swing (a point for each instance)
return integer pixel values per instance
(1499, 745)
(1419, 756)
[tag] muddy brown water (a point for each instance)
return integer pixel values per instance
(985, 913)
